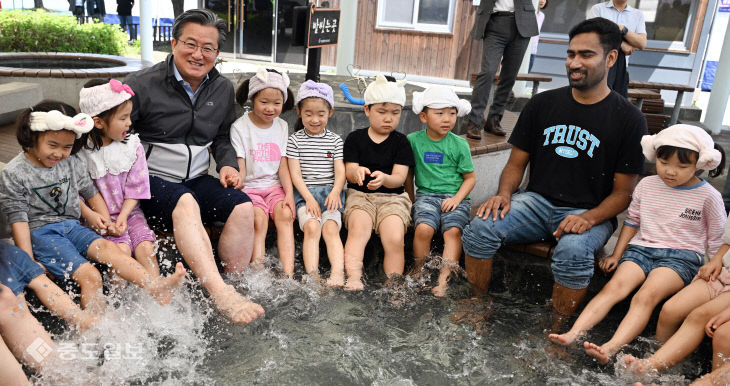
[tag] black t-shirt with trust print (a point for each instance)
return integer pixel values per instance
(575, 149)
(382, 156)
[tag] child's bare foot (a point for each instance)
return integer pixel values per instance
(336, 279)
(638, 366)
(598, 352)
(165, 288)
(257, 265)
(563, 339)
(440, 290)
(353, 284)
(236, 307)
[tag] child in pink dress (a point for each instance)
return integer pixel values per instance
(117, 164)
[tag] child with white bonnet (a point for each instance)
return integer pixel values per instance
(377, 159)
(673, 218)
(444, 176)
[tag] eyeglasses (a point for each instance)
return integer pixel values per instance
(208, 52)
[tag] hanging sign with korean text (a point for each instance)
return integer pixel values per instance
(324, 25)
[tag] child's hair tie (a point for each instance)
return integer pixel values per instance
(687, 137)
(95, 100)
(55, 120)
(382, 91)
(312, 89)
(268, 79)
(440, 97)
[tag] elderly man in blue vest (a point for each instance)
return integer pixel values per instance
(505, 26)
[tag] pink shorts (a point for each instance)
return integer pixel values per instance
(719, 285)
(266, 199)
(137, 231)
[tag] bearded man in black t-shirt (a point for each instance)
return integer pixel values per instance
(583, 146)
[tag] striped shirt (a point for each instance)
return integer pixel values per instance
(316, 155)
(684, 217)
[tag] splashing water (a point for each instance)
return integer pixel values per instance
(312, 334)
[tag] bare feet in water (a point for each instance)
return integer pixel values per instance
(440, 290)
(163, 290)
(236, 307)
(353, 284)
(638, 366)
(601, 354)
(564, 339)
(336, 279)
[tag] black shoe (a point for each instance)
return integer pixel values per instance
(494, 126)
(473, 131)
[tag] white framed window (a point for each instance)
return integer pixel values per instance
(416, 15)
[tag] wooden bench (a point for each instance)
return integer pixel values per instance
(680, 89)
(534, 78)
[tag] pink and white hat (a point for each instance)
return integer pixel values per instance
(95, 100)
(268, 79)
(687, 137)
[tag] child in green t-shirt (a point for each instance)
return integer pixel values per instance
(444, 176)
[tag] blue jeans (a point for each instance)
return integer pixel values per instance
(17, 269)
(532, 218)
(61, 246)
(684, 262)
(427, 210)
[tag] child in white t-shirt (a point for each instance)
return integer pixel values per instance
(259, 138)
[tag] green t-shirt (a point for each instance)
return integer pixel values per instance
(440, 165)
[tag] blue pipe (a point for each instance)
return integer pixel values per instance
(349, 97)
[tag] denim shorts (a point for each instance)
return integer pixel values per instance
(61, 246)
(532, 218)
(427, 210)
(320, 193)
(216, 202)
(684, 262)
(17, 269)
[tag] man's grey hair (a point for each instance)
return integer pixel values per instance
(203, 17)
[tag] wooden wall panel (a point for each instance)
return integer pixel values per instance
(329, 54)
(452, 55)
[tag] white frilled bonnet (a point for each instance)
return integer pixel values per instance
(439, 97)
(382, 91)
(684, 136)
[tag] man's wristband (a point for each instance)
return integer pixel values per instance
(624, 31)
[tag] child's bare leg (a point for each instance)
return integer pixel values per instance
(11, 370)
(422, 237)
(89, 279)
(661, 283)
(687, 338)
(194, 245)
(284, 220)
(719, 376)
(22, 332)
(335, 252)
(58, 301)
(392, 234)
(106, 252)
(676, 309)
(452, 252)
(359, 229)
(145, 255)
(260, 227)
(627, 277)
(310, 246)
(721, 346)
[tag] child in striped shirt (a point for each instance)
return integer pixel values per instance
(674, 217)
(318, 174)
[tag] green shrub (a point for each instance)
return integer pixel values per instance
(40, 31)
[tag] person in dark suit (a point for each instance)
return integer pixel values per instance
(96, 9)
(505, 26)
(77, 8)
(124, 9)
